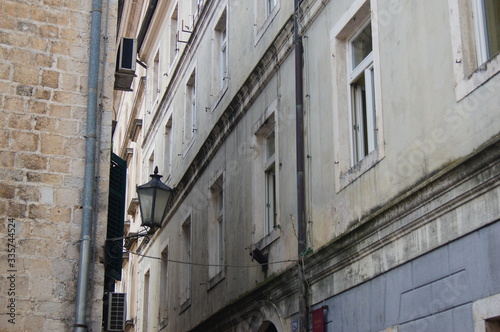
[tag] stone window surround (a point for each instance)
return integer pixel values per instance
(340, 34)
(261, 25)
(260, 129)
(468, 74)
(484, 310)
(216, 182)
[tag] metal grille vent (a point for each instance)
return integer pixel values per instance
(117, 312)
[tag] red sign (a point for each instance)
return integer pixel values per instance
(318, 320)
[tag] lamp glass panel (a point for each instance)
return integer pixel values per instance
(146, 202)
(160, 205)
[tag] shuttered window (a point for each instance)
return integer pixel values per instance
(116, 216)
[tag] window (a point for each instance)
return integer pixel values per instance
(132, 290)
(487, 25)
(163, 288)
(270, 5)
(151, 165)
(155, 79)
(265, 11)
(196, 7)
(220, 57)
(168, 149)
(357, 127)
(190, 113)
(116, 216)
(362, 88)
(216, 230)
(185, 277)
(493, 324)
(174, 31)
(221, 35)
(270, 184)
(266, 176)
(194, 12)
(145, 303)
(475, 33)
(220, 228)
(223, 53)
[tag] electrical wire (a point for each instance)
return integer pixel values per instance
(209, 265)
(143, 234)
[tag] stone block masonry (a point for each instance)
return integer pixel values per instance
(43, 78)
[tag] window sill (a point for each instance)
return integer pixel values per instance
(219, 96)
(214, 281)
(482, 74)
(185, 305)
(261, 30)
(189, 145)
(163, 323)
(267, 240)
(359, 169)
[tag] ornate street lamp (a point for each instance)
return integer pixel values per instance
(153, 199)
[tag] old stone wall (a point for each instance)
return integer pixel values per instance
(43, 83)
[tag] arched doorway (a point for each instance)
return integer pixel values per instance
(267, 326)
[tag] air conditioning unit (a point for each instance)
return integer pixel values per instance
(125, 64)
(127, 52)
(117, 312)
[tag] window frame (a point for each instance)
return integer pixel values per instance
(151, 165)
(164, 289)
(270, 5)
(168, 148)
(263, 16)
(270, 183)
(220, 227)
(173, 34)
(187, 254)
(216, 229)
(265, 233)
(483, 47)
(146, 293)
(190, 112)
(220, 58)
(223, 57)
(361, 107)
(156, 80)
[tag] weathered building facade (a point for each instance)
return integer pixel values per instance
(45, 50)
(401, 176)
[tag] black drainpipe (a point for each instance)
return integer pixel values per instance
(301, 197)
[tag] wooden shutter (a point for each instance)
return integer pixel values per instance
(116, 217)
